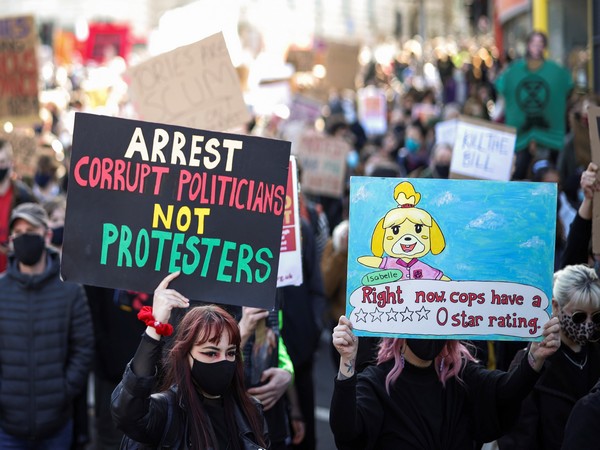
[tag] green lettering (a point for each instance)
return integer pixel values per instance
(109, 236)
(175, 253)
(224, 262)
(210, 244)
(244, 257)
(162, 236)
(124, 243)
(259, 259)
(187, 267)
(143, 240)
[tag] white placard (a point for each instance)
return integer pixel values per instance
(483, 150)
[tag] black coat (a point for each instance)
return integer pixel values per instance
(545, 411)
(420, 413)
(46, 349)
(582, 430)
(142, 416)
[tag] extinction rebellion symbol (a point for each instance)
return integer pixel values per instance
(533, 94)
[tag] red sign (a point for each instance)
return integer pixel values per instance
(106, 41)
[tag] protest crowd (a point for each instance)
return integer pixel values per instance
(79, 369)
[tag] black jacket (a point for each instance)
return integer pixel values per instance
(420, 413)
(116, 328)
(582, 430)
(545, 411)
(143, 416)
(46, 349)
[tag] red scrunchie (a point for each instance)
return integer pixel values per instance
(145, 315)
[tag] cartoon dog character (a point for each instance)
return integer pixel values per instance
(406, 233)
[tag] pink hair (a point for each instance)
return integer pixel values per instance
(453, 354)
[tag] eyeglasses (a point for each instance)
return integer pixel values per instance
(581, 316)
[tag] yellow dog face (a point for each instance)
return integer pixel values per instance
(407, 233)
(407, 240)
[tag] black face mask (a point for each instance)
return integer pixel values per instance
(3, 173)
(29, 248)
(426, 349)
(442, 170)
(213, 378)
(57, 236)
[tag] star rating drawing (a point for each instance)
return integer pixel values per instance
(423, 313)
(406, 314)
(392, 315)
(376, 315)
(361, 316)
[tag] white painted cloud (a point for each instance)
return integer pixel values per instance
(445, 199)
(534, 242)
(488, 221)
(543, 189)
(361, 194)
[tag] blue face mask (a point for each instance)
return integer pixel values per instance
(352, 159)
(412, 145)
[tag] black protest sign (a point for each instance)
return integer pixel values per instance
(147, 199)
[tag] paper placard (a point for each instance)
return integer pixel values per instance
(372, 110)
(593, 120)
(452, 259)
(19, 101)
(148, 199)
(341, 62)
(482, 150)
(194, 86)
(323, 162)
(290, 258)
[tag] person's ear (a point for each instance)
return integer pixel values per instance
(555, 308)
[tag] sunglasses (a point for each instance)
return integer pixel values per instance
(580, 317)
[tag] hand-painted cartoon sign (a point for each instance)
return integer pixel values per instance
(146, 199)
(454, 259)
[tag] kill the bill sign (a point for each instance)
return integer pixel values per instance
(454, 259)
(147, 199)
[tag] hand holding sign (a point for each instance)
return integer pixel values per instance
(165, 300)
(346, 343)
(539, 351)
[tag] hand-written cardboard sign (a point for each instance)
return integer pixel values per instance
(25, 151)
(372, 110)
(147, 199)
(290, 258)
(594, 122)
(457, 259)
(482, 150)
(445, 132)
(305, 109)
(195, 86)
(323, 162)
(341, 62)
(18, 70)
